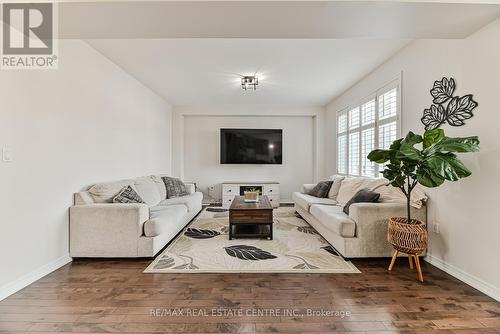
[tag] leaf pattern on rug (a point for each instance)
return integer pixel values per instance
(244, 252)
(330, 250)
(307, 229)
(200, 234)
(165, 262)
(186, 266)
(297, 215)
(304, 264)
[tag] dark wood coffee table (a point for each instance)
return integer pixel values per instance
(251, 220)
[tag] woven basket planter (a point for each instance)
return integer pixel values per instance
(409, 238)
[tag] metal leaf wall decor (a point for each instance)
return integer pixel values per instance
(447, 108)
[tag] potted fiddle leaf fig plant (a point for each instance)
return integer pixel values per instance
(430, 165)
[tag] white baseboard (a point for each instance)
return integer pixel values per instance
(24, 281)
(477, 283)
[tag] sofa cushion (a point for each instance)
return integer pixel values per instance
(127, 195)
(305, 201)
(351, 185)
(105, 192)
(160, 185)
(192, 201)
(147, 189)
(321, 189)
(362, 196)
(164, 219)
(333, 218)
(334, 189)
(390, 194)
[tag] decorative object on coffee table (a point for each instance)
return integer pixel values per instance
(250, 220)
(251, 195)
(410, 238)
(430, 166)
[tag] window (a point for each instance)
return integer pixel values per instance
(372, 123)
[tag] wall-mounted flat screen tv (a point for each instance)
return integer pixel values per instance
(251, 146)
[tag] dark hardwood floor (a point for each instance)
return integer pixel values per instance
(115, 296)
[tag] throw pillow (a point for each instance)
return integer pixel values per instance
(127, 195)
(337, 182)
(321, 189)
(175, 187)
(362, 196)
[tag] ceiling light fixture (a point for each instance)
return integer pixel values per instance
(249, 82)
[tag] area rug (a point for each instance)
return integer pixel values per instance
(204, 247)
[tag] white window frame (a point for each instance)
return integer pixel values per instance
(376, 125)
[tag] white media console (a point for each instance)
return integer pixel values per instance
(231, 189)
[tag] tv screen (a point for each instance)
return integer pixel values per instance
(251, 146)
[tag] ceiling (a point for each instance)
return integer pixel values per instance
(271, 19)
(304, 52)
(207, 71)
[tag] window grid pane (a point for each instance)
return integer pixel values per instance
(354, 153)
(354, 118)
(342, 122)
(342, 154)
(388, 104)
(386, 135)
(367, 145)
(368, 113)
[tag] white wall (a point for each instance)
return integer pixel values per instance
(196, 142)
(466, 210)
(85, 122)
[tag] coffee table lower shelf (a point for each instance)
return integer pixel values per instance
(250, 230)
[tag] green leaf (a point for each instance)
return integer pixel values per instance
(459, 145)
(399, 181)
(391, 173)
(379, 156)
(447, 166)
(428, 179)
(411, 139)
(396, 144)
(409, 152)
(432, 137)
(444, 166)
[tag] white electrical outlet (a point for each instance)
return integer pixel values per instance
(435, 228)
(6, 155)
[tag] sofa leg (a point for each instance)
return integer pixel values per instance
(410, 260)
(393, 260)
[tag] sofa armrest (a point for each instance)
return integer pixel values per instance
(372, 218)
(106, 229)
(307, 187)
(191, 188)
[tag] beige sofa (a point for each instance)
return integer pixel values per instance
(362, 233)
(100, 228)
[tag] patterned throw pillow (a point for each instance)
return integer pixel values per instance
(321, 189)
(175, 187)
(127, 195)
(362, 196)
